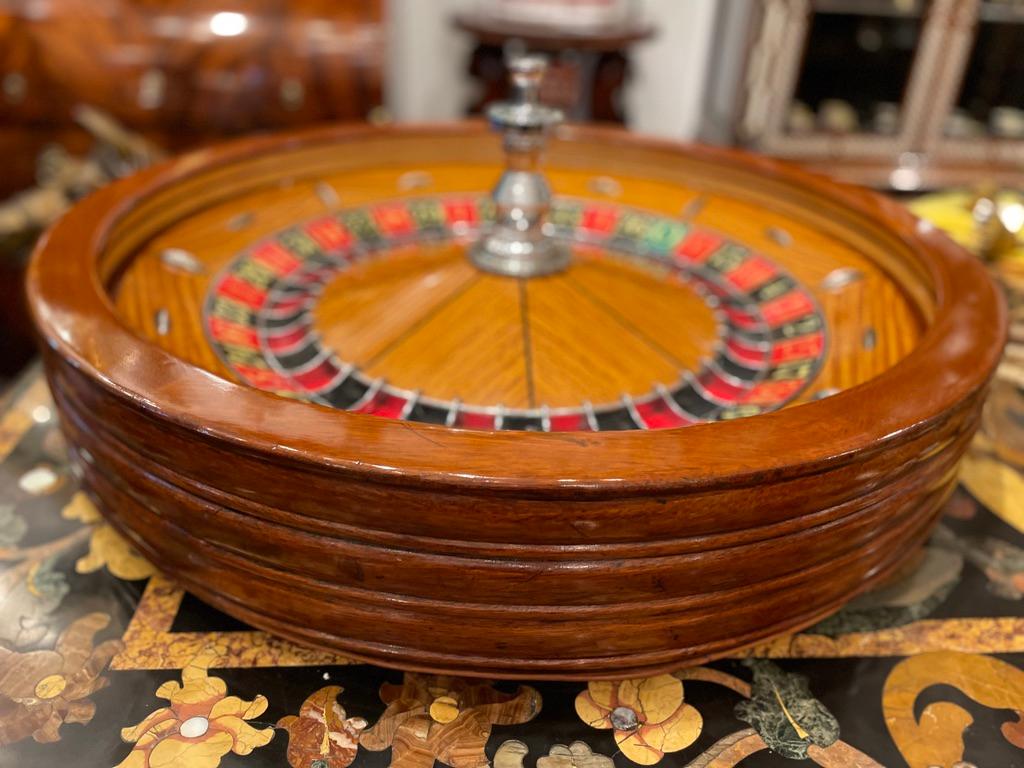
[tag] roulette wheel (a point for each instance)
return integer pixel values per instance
(640, 406)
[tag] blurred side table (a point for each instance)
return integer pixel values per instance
(587, 70)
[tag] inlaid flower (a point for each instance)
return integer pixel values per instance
(42, 690)
(200, 726)
(648, 715)
(446, 719)
(107, 547)
(512, 754)
(322, 735)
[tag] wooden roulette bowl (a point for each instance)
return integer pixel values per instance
(285, 383)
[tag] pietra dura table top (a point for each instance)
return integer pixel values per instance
(104, 661)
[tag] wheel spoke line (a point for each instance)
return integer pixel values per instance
(524, 316)
(624, 322)
(421, 321)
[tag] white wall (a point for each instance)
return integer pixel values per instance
(427, 61)
(425, 78)
(666, 93)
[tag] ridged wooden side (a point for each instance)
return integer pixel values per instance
(647, 601)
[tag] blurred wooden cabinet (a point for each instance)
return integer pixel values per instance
(589, 66)
(181, 73)
(907, 94)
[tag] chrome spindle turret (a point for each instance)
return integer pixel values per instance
(517, 245)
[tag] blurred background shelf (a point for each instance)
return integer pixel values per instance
(902, 8)
(903, 95)
(1001, 12)
(588, 69)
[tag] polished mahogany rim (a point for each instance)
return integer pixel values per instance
(951, 363)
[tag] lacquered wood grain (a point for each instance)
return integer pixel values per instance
(624, 313)
(373, 305)
(424, 319)
(470, 348)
